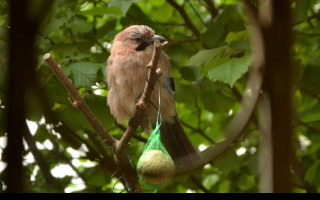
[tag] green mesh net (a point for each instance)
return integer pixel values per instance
(155, 166)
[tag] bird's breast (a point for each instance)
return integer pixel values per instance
(127, 74)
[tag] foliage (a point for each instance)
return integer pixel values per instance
(209, 65)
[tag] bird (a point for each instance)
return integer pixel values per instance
(126, 74)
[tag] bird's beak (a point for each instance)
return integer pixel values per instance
(158, 37)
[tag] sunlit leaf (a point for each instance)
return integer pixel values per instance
(230, 71)
(53, 25)
(237, 36)
(80, 26)
(204, 57)
(124, 5)
(84, 73)
(311, 172)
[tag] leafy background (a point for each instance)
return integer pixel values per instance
(210, 54)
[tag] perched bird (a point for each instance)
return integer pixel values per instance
(127, 72)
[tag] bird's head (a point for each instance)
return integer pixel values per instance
(138, 37)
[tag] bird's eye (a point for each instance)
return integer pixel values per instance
(137, 40)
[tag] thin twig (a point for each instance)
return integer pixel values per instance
(62, 156)
(198, 15)
(198, 131)
(213, 10)
(135, 136)
(300, 22)
(185, 16)
(307, 125)
(84, 108)
(198, 184)
(307, 34)
(97, 143)
(40, 160)
(310, 93)
(300, 172)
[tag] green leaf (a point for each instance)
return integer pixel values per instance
(105, 29)
(64, 49)
(230, 71)
(228, 161)
(237, 36)
(311, 172)
(214, 101)
(204, 57)
(101, 11)
(224, 186)
(228, 20)
(161, 16)
(214, 98)
(214, 34)
(183, 94)
(190, 73)
(42, 134)
(80, 26)
(140, 17)
(244, 45)
(244, 182)
(96, 176)
(100, 109)
(253, 164)
(301, 10)
(124, 5)
(53, 25)
(84, 73)
(34, 112)
(210, 180)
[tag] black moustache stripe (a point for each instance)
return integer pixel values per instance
(143, 46)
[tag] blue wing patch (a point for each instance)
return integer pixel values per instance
(170, 87)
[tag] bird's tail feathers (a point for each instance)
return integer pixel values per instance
(179, 146)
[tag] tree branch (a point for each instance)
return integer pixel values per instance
(97, 144)
(300, 22)
(213, 10)
(137, 137)
(43, 165)
(79, 102)
(198, 131)
(185, 16)
(276, 28)
(195, 11)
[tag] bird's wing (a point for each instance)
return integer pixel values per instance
(169, 86)
(109, 63)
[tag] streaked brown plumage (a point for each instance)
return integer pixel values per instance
(127, 72)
